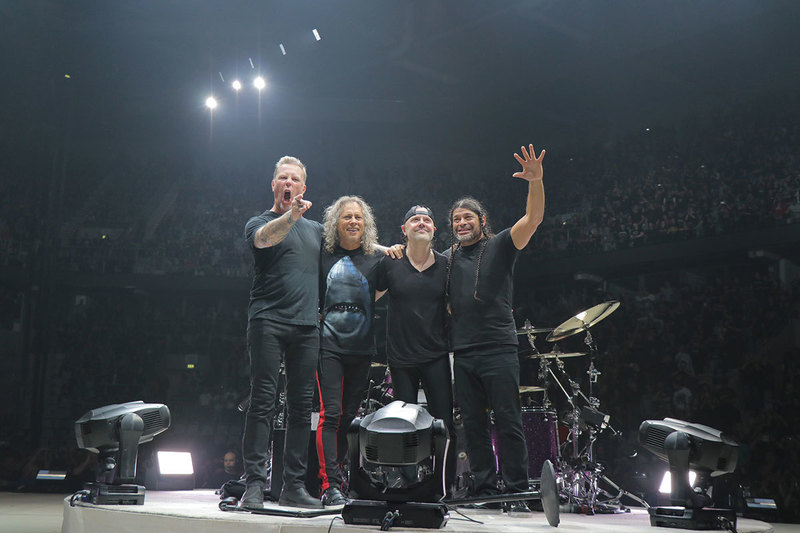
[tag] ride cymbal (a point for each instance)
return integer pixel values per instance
(583, 320)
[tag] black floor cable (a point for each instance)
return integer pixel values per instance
(334, 519)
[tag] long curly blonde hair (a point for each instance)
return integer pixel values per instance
(369, 239)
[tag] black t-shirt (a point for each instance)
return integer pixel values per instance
(347, 286)
(415, 332)
(285, 286)
(487, 323)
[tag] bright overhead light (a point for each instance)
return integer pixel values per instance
(316, 34)
(259, 83)
(237, 85)
(211, 102)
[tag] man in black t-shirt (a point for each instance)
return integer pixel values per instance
(348, 270)
(416, 338)
(483, 337)
(283, 326)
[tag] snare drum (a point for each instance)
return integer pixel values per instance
(540, 427)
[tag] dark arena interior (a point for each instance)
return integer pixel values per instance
(138, 138)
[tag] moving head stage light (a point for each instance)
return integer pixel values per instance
(115, 432)
(397, 456)
(686, 446)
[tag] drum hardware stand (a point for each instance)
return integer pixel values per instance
(580, 477)
(370, 405)
(544, 364)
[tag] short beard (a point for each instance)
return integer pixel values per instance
(467, 238)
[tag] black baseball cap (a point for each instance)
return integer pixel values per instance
(418, 210)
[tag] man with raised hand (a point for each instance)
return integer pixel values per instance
(479, 290)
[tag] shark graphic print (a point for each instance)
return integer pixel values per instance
(347, 308)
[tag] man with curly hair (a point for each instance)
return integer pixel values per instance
(348, 270)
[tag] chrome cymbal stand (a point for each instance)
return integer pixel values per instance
(580, 478)
(369, 405)
(543, 364)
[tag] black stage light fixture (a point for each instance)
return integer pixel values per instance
(397, 456)
(115, 432)
(705, 450)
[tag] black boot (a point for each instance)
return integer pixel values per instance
(253, 497)
(298, 497)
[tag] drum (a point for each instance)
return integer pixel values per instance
(540, 427)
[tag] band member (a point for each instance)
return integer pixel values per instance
(283, 325)
(349, 262)
(416, 338)
(479, 290)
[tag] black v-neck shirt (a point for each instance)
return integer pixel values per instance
(416, 331)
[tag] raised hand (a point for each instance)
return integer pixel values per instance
(531, 165)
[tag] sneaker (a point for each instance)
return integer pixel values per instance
(253, 497)
(333, 497)
(517, 506)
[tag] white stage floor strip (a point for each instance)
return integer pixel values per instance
(193, 511)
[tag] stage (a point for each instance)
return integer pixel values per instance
(191, 511)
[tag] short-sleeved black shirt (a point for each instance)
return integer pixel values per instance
(285, 286)
(347, 297)
(415, 332)
(488, 322)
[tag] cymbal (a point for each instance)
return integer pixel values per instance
(583, 320)
(557, 355)
(530, 388)
(530, 329)
(378, 365)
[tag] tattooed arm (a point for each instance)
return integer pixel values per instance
(276, 230)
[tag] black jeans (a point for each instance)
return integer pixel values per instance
(269, 343)
(485, 382)
(342, 382)
(437, 383)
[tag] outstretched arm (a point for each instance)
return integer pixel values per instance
(276, 230)
(532, 172)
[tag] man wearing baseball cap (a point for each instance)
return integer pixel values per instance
(416, 339)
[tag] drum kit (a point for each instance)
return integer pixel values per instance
(567, 442)
(571, 450)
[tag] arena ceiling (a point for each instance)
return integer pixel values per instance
(533, 67)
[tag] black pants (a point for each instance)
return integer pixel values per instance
(437, 384)
(486, 382)
(269, 343)
(342, 382)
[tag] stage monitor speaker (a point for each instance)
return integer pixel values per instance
(388, 514)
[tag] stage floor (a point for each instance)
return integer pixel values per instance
(192, 511)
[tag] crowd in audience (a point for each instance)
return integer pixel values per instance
(735, 172)
(717, 347)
